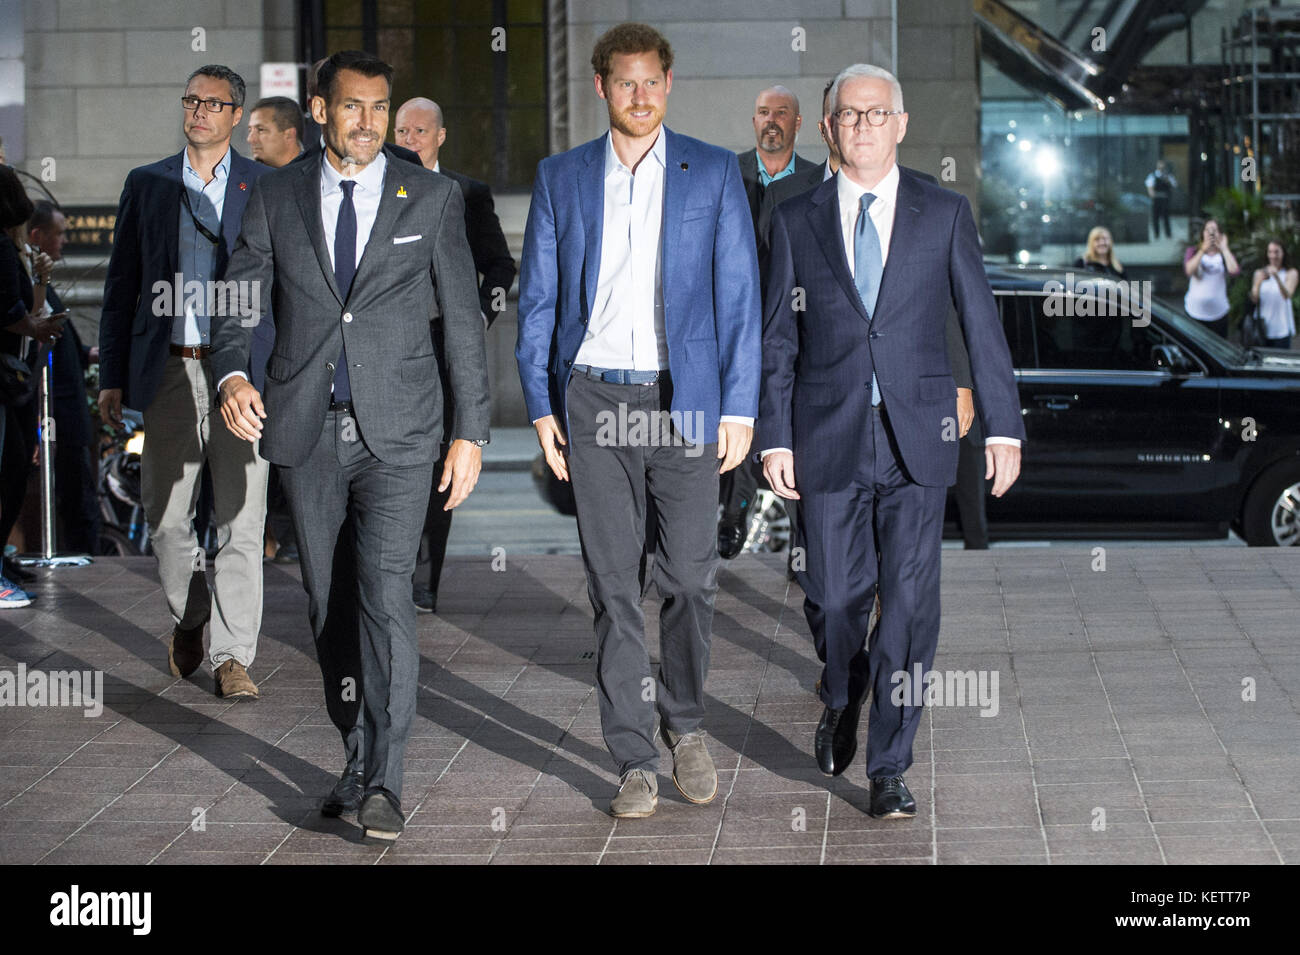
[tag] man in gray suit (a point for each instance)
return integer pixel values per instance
(359, 250)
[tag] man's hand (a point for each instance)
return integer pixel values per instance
(778, 468)
(464, 462)
(241, 407)
(1003, 466)
(965, 409)
(43, 266)
(550, 439)
(733, 443)
(110, 406)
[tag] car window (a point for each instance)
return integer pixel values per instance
(1016, 327)
(1081, 339)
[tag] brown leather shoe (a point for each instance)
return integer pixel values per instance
(233, 682)
(186, 651)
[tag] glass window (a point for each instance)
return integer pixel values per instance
(1015, 325)
(493, 101)
(1084, 333)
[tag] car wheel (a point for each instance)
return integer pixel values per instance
(1271, 515)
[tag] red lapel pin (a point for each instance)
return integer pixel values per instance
(243, 185)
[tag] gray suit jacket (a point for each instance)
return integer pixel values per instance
(399, 288)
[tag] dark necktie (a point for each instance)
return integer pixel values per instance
(345, 269)
(867, 268)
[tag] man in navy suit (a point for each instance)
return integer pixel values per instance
(858, 416)
(639, 326)
(177, 222)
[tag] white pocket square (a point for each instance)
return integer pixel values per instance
(399, 239)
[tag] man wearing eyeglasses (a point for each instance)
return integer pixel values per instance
(858, 413)
(177, 222)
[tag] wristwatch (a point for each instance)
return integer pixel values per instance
(481, 442)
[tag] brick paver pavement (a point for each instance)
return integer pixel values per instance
(1125, 728)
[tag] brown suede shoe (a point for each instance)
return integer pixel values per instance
(233, 682)
(186, 651)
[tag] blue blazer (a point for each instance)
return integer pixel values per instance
(712, 299)
(818, 360)
(133, 342)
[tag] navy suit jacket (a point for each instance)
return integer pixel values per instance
(818, 360)
(133, 342)
(712, 300)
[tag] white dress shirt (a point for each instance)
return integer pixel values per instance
(881, 211)
(365, 200)
(627, 329)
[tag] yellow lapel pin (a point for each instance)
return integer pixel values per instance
(401, 192)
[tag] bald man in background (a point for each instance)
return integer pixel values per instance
(776, 125)
(419, 127)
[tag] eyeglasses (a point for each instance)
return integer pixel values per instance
(192, 103)
(848, 116)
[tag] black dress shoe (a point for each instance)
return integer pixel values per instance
(891, 799)
(381, 816)
(844, 746)
(425, 602)
(824, 741)
(345, 796)
(731, 536)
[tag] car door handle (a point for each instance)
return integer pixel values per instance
(1056, 402)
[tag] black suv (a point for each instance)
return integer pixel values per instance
(1143, 422)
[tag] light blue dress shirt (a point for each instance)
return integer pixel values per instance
(197, 255)
(765, 180)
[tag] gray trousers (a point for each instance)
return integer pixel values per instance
(183, 429)
(612, 477)
(357, 521)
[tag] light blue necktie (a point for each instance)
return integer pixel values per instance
(867, 269)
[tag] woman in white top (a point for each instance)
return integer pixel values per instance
(1273, 289)
(1208, 269)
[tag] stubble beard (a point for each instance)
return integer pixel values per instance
(623, 121)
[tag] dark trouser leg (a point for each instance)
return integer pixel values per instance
(383, 499)
(970, 493)
(839, 581)
(277, 512)
(15, 465)
(75, 494)
(683, 483)
(839, 577)
(909, 531)
(609, 488)
(433, 539)
(737, 489)
(317, 496)
(1219, 326)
